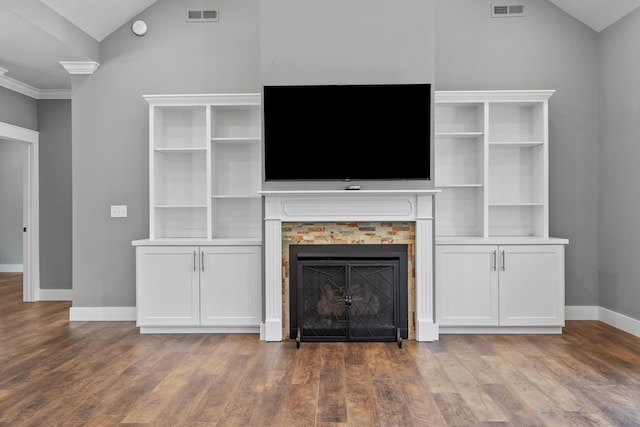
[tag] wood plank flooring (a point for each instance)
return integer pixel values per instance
(59, 373)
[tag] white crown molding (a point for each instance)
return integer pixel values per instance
(54, 94)
(30, 91)
(80, 67)
(16, 86)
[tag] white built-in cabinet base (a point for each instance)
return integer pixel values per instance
(500, 286)
(202, 287)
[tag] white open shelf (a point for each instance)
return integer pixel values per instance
(180, 127)
(206, 163)
(492, 163)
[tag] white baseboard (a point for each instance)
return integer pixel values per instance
(55, 295)
(102, 314)
(581, 312)
(128, 314)
(617, 320)
(11, 268)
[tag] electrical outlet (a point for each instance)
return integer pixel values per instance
(118, 211)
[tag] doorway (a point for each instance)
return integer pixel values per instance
(31, 231)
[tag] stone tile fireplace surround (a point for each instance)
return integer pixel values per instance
(332, 216)
(346, 233)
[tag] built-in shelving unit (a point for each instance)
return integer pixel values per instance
(200, 269)
(205, 166)
(492, 163)
(496, 266)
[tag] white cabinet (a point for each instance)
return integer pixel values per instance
(500, 286)
(205, 166)
(168, 286)
(230, 286)
(531, 283)
(466, 285)
(212, 288)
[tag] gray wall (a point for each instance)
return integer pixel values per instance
(52, 119)
(18, 110)
(338, 42)
(110, 129)
(54, 125)
(547, 49)
(11, 169)
(619, 166)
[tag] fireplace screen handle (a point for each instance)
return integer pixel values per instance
(347, 300)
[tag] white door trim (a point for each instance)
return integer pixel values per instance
(31, 208)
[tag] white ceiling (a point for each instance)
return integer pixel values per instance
(31, 56)
(598, 14)
(98, 18)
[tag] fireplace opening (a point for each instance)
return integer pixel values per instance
(351, 292)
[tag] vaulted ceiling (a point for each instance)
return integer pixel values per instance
(32, 43)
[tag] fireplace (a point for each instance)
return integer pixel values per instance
(333, 206)
(348, 292)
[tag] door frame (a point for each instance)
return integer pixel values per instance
(30, 208)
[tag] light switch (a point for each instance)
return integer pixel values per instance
(118, 211)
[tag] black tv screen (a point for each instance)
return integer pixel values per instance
(347, 132)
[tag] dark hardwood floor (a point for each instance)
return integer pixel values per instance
(59, 373)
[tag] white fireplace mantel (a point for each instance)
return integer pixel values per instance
(356, 206)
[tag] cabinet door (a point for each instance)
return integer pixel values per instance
(231, 286)
(466, 285)
(532, 285)
(167, 286)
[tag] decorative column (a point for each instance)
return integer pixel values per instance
(272, 269)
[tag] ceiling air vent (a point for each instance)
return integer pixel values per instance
(209, 15)
(507, 10)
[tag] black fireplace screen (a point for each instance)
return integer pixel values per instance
(348, 300)
(348, 292)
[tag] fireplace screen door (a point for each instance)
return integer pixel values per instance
(348, 300)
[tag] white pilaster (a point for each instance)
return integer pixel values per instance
(273, 279)
(426, 329)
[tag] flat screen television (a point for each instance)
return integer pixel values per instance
(347, 132)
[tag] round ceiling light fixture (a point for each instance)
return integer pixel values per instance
(139, 28)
